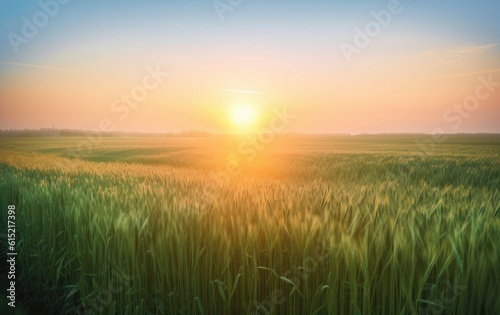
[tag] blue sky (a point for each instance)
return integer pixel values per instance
(279, 47)
(462, 21)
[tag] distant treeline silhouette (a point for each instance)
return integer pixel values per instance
(51, 132)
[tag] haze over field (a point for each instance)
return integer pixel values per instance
(250, 157)
(364, 67)
(312, 225)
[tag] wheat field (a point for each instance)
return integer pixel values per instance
(312, 225)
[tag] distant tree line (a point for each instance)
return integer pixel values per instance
(51, 132)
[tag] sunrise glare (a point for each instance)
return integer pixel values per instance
(243, 116)
(250, 157)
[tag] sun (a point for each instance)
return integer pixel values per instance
(243, 116)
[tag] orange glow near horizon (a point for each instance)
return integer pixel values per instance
(400, 83)
(363, 100)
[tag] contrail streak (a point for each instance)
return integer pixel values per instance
(175, 24)
(31, 66)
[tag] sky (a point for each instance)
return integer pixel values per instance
(231, 66)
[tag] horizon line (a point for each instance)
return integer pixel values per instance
(237, 133)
